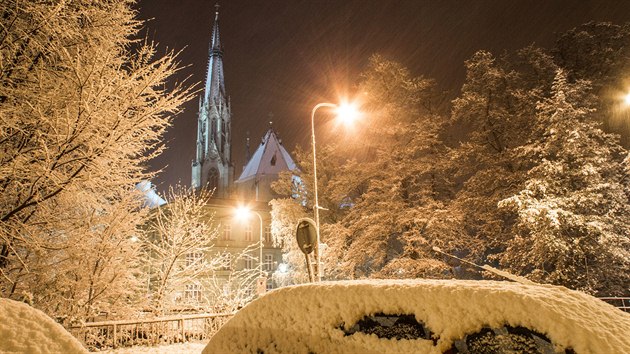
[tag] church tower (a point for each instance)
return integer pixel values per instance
(212, 167)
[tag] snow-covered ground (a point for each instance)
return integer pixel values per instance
(183, 348)
(326, 317)
(322, 317)
(26, 330)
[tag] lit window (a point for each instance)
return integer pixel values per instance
(227, 262)
(248, 232)
(268, 265)
(193, 292)
(193, 258)
(268, 235)
(227, 232)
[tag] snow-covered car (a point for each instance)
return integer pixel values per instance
(424, 316)
(24, 329)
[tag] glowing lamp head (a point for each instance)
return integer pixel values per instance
(347, 113)
(626, 99)
(242, 213)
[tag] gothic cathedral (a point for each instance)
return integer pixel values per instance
(213, 167)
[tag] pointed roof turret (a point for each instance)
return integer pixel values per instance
(215, 86)
(269, 159)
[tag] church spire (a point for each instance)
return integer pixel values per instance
(215, 86)
(212, 167)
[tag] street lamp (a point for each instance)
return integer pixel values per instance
(243, 213)
(348, 113)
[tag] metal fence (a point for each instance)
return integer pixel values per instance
(149, 332)
(622, 303)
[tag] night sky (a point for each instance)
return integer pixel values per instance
(283, 57)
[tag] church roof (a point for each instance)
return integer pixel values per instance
(151, 198)
(269, 158)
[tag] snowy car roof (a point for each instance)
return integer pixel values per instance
(312, 317)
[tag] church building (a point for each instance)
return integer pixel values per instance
(213, 169)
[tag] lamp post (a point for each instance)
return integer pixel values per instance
(243, 213)
(346, 111)
(316, 206)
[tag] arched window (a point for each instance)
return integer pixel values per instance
(273, 160)
(213, 179)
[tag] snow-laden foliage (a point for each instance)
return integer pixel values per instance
(179, 236)
(285, 215)
(82, 107)
(179, 255)
(383, 190)
(532, 134)
(520, 176)
(600, 53)
(495, 111)
(572, 216)
(394, 219)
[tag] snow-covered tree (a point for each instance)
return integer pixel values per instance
(83, 106)
(285, 214)
(180, 256)
(495, 115)
(572, 214)
(390, 227)
(382, 188)
(179, 237)
(600, 53)
(414, 181)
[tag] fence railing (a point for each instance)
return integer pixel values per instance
(622, 303)
(149, 332)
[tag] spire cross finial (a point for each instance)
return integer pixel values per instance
(216, 8)
(270, 119)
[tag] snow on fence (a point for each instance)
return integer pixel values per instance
(156, 331)
(622, 303)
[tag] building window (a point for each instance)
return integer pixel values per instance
(193, 292)
(268, 266)
(269, 284)
(249, 262)
(268, 235)
(273, 160)
(227, 232)
(194, 258)
(227, 262)
(213, 179)
(248, 232)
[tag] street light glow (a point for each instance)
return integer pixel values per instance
(242, 212)
(347, 113)
(626, 99)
